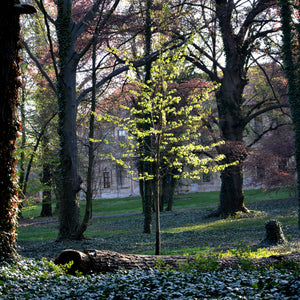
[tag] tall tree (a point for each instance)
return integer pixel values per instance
(71, 50)
(74, 42)
(9, 125)
(147, 190)
(242, 28)
(291, 56)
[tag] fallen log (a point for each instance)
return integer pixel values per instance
(101, 261)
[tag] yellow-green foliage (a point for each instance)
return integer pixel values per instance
(172, 124)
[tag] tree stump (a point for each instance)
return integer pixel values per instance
(101, 261)
(274, 234)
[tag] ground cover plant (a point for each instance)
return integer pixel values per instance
(184, 231)
(41, 280)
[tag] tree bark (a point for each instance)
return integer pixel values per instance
(46, 180)
(47, 199)
(231, 193)
(229, 102)
(9, 84)
(291, 61)
(100, 261)
(148, 166)
(9, 125)
(67, 111)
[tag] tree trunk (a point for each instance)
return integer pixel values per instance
(231, 124)
(99, 261)
(9, 125)
(67, 108)
(9, 84)
(70, 181)
(147, 166)
(90, 175)
(23, 144)
(46, 180)
(291, 62)
(167, 194)
(47, 201)
(229, 101)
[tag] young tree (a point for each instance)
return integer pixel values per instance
(9, 125)
(173, 126)
(291, 55)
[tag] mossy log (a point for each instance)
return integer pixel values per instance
(101, 261)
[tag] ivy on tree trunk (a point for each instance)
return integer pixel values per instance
(9, 124)
(291, 58)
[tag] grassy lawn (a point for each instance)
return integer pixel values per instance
(188, 201)
(184, 230)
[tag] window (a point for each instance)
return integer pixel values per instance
(121, 135)
(120, 179)
(106, 180)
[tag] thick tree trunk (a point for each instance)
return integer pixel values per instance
(291, 61)
(231, 194)
(9, 125)
(67, 108)
(229, 101)
(9, 84)
(70, 181)
(99, 261)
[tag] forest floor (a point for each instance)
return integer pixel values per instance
(183, 232)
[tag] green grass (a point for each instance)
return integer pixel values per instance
(134, 205)
(183, 231)
(188, 202)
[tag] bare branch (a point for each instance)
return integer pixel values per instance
(42, 7)
(264, 110)
(99, 28)
(40, 67)
(271, 128)
(260, 7)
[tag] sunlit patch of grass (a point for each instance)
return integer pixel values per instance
(218, 225)
(243, 251)
(251, 220)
